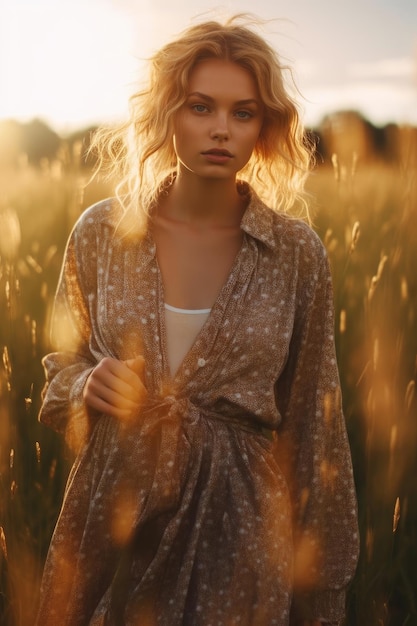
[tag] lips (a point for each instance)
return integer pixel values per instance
(219, 152)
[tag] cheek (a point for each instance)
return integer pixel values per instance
(253, 139)
(184, 131)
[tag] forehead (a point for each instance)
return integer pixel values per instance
(218, 77)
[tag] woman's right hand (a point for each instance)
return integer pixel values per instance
(116, 388)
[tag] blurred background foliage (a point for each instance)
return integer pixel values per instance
(364, 206)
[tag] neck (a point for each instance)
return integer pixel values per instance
(204, 201)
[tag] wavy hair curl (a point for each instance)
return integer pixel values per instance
(139, 154)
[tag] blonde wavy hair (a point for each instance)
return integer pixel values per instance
(140, 155)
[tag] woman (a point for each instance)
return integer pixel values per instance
(195, 367)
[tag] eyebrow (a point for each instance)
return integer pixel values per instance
(204, 96)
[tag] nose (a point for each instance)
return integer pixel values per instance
(220, 130)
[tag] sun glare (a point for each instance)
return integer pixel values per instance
(74, 63)
(65, 62)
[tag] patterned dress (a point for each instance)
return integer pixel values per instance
(230, 500)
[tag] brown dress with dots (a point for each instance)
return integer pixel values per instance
(230, 500)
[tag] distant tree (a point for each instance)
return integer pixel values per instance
(346, 133)
(40, 141)
(401, 144)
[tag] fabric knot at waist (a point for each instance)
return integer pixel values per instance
(183, 408)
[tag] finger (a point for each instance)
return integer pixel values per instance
(130, 372)
(137, 365)
(129, 400)
(117, 377)
(103, 407)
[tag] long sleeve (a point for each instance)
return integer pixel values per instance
(314, 453)
(68, 367)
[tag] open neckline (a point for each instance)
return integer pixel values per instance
(212, 313)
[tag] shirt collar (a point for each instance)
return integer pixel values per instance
(258, 219)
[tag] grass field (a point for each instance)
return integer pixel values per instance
(367, 216)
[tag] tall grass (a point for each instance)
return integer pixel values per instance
(366, 215)
(37, 211)
(367, 218)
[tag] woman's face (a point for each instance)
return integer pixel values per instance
(217, 128)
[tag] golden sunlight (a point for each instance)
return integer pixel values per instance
(66, 64)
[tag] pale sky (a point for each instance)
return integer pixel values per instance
(75, 62)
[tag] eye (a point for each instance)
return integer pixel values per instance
(199, 108)
(244, 115)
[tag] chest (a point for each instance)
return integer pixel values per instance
(247, 332)
(133, 284)
(195, 264)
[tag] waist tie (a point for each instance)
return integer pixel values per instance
(172, 407)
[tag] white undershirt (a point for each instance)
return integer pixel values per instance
(182, 327)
